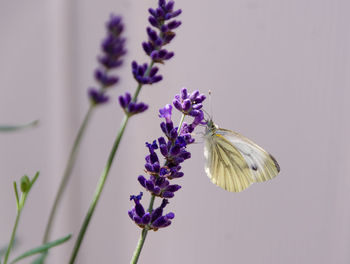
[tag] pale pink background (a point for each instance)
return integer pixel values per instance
(279, 73)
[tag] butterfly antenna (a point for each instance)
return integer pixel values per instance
(207, 114)
(210, 105)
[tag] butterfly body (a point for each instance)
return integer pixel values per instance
(233, 162)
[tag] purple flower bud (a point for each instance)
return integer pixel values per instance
(142, 180)
(194, 95)
(140, 211)
(156, 167)
(186, 105)
(164, 128)
(197, 106)
(152, 12)
(153, 21)
(201, 98)
(184, 93)
(164, 150)
(156, 213)
(161, 141)
(177, 175)
(153, 71)
(173, 188)
(167, 194)
(177, 104)
(137, 219)
(147, 48)
(146, 218)
(170, 215)
(149, 185)
(156, 79)
(175, 150)
(173, 134)
(166, 113)
(162, 53)
(186, 155)
(152, 34)
(169, 6)
(195, 113)
(176, 13)
(173, 24)
(160, 222)
(149, 167)
(169, 55)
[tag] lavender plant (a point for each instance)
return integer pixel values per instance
(173, 148)
(161, 20)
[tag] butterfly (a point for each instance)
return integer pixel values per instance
(233, 162)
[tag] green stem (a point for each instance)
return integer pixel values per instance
(14, 230)
(151, 202)
(139, 246)
(98, 190)
(181, 122)
(12, 236)
(67, 173)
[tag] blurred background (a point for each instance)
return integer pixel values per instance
(279, 74)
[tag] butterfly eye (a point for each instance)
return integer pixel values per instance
(254, 167)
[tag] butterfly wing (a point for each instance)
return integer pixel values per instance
(233, 162)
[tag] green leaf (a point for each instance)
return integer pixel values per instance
(42, 249)
(18, 127)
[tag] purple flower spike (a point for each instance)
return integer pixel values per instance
(159, 35)
(112, 53)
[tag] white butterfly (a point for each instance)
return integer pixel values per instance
(233, 162)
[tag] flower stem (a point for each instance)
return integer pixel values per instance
(67, 173)
(98, 190)
(139, 246)
(12, 235)
(180, 125)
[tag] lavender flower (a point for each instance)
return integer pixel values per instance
(172, 148)
(141, 76)
(154, 220)
(161, 35)
(130, 108)
(113, 51)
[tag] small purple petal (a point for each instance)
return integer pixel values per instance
(146, 218)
